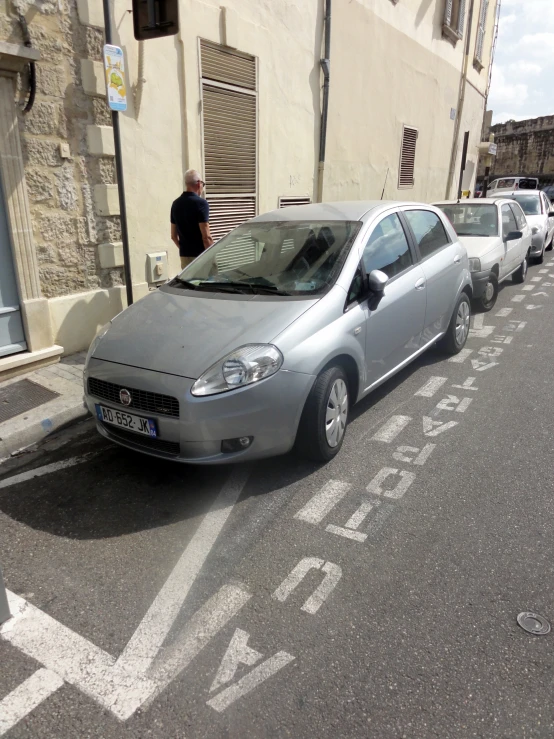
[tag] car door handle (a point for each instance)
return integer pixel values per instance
(457, 259)
(420, 284)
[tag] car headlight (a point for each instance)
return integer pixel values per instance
(248, 364)
(474, 265)
(535, 230)
(94, 343)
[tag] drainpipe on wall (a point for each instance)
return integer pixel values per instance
(325, 66)
(461, 99)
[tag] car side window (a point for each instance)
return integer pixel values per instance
(387, 248)
(519, 216)
(356, 291)
(508, 221)
(429, 231)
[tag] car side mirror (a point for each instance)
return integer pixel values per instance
(551, 214)
(513, 235)
(377, 281)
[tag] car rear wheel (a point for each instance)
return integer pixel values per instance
(458, 329)
(521, 273)
(325, 416)
(488, 298)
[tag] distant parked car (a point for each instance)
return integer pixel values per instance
(497, 238)
(510, 184)
(540, 216)
(269, 337)
(549, 192)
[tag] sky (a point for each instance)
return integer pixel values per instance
(522, 84)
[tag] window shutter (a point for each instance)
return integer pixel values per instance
(448, 12)
(481, 30)
(227, 65)
(226, 213)
(407, 157)
(461, 18)
(287, 202)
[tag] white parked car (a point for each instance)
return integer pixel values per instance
(509, 184)
(497, 237)
(540, 216)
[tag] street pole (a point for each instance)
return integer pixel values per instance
(119, 171)
(4, 607)
(463, 163)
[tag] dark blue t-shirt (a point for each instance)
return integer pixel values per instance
(186, 213)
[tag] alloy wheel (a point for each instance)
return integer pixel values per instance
(337, 412)
(462, 323)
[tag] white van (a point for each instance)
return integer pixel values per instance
(510, 184)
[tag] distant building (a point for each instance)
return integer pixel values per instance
(237, 94)
(524, 148)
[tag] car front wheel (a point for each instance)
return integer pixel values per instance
(521, 273)
(458, 329)
(488, 298)
(325, 416)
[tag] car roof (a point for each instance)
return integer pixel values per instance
(522, 192)
(352, 210)
(471, 201)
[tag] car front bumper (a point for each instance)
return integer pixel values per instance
(537, 243)
(480, 281)
(268, 411)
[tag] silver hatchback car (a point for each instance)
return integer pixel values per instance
(269, 337)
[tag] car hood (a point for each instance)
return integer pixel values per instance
(538, 220)
(478, 246)
(182, 334)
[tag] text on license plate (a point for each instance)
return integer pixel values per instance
(125, 420)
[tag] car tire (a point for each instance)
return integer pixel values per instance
(549, 247)
(540, 258)
(521, 273)
(458, 329)
(325, 417)
(488, 299)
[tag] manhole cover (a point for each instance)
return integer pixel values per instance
(22, 396)
(533, 623)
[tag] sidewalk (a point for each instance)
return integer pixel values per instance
(35, 404)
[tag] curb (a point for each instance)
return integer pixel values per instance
(39, 429)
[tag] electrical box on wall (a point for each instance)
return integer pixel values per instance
(156, 267)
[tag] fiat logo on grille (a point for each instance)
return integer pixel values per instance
(125, 397)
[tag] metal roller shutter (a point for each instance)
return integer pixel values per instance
(227, 65)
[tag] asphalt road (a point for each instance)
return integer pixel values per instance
(375, 596)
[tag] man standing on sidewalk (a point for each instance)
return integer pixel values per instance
(190, 215)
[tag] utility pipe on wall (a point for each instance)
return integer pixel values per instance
(325, 66)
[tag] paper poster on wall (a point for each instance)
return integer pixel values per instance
(114, 68)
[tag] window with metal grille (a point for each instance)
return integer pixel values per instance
(287, 202)
(479, 44)
(454, 19)
(229, 118)
(407, 157)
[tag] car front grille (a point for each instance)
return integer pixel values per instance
(141, 400)
(147, 443)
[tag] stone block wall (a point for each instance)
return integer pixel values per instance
(61, 180)
(525, 147)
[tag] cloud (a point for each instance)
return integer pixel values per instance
(507, 92)
(537, 45)
(524, 69)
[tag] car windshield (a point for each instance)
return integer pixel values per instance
(530, 204)
(273, 257)
(472, 219)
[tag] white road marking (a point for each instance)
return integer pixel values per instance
(431, 387)
(490, 351)
(543, 271)
(238, 653)
(246, 684)
(535, 295)
(295, 577)
(156, 624)
(390, 430)
(537, 279)
(500, 339)
(401, 453)
(503, 312)
(478, 320)
(451, 403)
(547, 284)
(461, 356)
(333, 574)
(527, 288)
(434, 428)
(515, 326)
(46, 470)
(323, 502)
(468, 384)
(518, 298)
(26, 697)
(359, 516)
(479, 366)
(534, 307)
(406, 479)
(347, 533)
(482, 333)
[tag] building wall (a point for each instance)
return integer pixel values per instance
(390, 65)
(525, 147)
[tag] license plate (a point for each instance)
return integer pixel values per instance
(129, 421)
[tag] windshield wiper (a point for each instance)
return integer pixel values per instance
(185, 283)
(269, 289)
(231, 287)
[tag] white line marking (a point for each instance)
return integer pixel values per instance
(26, 697)
(323, 502)
(46, 470)
(503, 312)
(543, 271)
(347, 533)
(482, 366)
(478, 321)
(528, 287)
(431, 387)
(238, 653)
(482, 333)
(515, 325)
(333, 574)
(537, 279)
(359, 516)
(268, 668)
(461, 356)
(464, 405)
(468, 384)
(534, 307)
(391, 428)
(518, 298)
(295, 577)
(156, 624)
(434, 428)
(406, 479)
(535, 295)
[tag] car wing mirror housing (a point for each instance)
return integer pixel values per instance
(551, 214)
(513, 235)
(377, 281)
